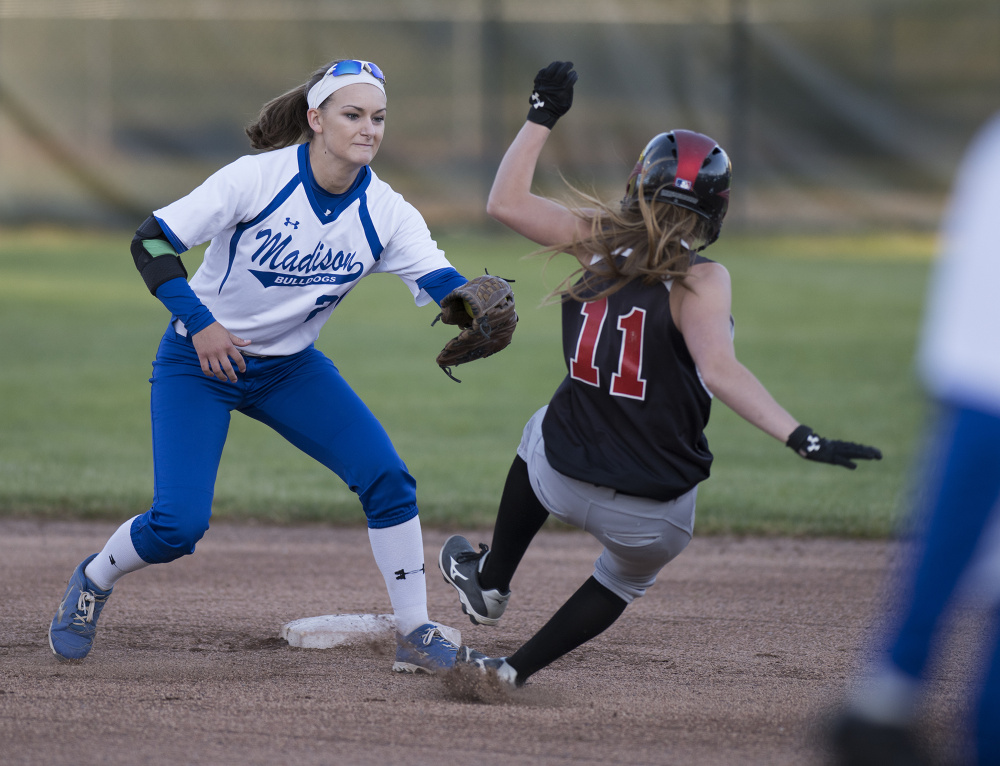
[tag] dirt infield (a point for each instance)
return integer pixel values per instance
(732, 658)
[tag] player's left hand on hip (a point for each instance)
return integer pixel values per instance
(812, 446)
(553, 93)
(218, 352)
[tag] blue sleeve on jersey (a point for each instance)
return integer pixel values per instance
(441, 282)
(181, 301)
(179, 246)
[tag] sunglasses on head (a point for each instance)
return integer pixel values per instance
(354, 66)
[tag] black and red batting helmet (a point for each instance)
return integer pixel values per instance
(687, 169)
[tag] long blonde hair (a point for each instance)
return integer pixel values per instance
(648, 240)
(282, 120)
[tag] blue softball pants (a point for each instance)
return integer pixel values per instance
(962, 499)
(303, 397)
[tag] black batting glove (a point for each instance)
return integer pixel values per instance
(553, 93)
(809, 445)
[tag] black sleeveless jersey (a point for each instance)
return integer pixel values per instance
(632, 411)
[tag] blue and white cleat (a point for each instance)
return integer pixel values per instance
(71, 634)
(425, 650)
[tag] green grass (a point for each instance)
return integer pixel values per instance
(827, 323)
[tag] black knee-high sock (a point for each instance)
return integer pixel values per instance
(587, 613)
(519, 518)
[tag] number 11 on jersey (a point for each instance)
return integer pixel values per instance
(627, 381)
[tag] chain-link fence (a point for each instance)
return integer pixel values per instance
(837, 113)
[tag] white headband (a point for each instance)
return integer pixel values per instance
(321, 91)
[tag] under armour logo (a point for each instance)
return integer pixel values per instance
(813, 445)
(536, 101)
(401, 573)
(453, 570)
(294, 224)
(111, 557)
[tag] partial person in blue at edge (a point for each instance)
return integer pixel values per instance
(958, 496)
(292, 229)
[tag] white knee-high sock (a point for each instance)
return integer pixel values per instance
(399, 554)
(116, 560)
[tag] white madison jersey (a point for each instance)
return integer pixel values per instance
(960, 353)
(281, 258)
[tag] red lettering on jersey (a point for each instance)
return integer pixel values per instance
(582, 366)
(628, 381)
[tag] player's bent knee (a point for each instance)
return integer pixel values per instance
(627, 589)
(629, 571)
(390, 498)
(160, 536)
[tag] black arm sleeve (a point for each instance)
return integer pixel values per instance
(154, 256)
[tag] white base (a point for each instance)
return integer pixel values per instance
(331, 630)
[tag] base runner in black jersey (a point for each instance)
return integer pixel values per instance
(620, 449)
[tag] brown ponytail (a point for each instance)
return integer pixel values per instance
(282, 120)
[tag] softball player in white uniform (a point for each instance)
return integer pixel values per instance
(291, 231)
